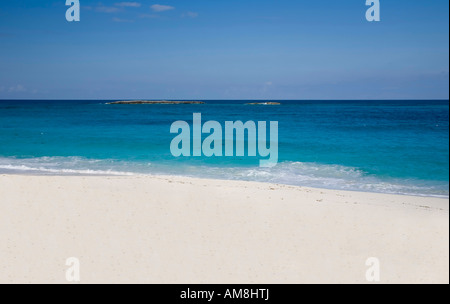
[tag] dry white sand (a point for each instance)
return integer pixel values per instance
(180, 230)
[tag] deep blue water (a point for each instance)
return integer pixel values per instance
(380, 146)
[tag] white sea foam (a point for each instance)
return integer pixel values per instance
(58, 166)
(324, 176)
(64, 171)
(290, 173)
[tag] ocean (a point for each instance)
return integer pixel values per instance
(399, 147)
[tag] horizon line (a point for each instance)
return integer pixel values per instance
(244, 99)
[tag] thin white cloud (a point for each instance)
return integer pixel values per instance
(190, 14)
(149, 16)
(122, 20)
(107, 9)
(17, 88)
(128, 4)
(161, 8)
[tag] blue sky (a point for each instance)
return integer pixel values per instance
(217, 49)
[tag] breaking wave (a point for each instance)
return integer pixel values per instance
(290, 173)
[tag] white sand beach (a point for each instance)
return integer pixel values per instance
(181, 230)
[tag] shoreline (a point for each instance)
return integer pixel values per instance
(142, 229)
(441, 203)
(132, 174)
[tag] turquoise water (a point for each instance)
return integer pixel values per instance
(378, 146)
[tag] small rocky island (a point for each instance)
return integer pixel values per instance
(264, 104)
(154, 102)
